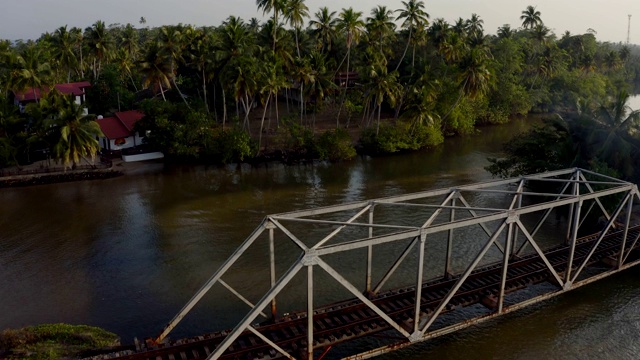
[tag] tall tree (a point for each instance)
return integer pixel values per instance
(295, 13)
(414, 18)
(380, 27)
(100, 45)
(172, 44)
(63, 49)
(351, 25)
(530, 17)
(324, 28)
(275, 6)
(155, 69)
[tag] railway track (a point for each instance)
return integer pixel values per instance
(345, 321)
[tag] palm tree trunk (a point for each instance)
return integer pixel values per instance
(344, 94)
(301, 101)
(224, 107)
(378, 126)
(405, 49)
(162, 91)
(264, 113)
(204, 88)
(297, 43)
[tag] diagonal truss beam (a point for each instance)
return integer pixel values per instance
(540, 252)
(239, 296)
(337, 231)
(464, 277)
(214, 278)
(482, 225)
(248, 319)
(347, 285)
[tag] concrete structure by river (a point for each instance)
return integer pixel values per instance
(126, 253)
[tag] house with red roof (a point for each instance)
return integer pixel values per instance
(77, 89)
(119, 131)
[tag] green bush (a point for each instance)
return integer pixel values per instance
(399, 137)
(335, 145)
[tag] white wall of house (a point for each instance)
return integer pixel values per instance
(130, 142)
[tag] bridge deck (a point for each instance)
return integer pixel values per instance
(347, 320)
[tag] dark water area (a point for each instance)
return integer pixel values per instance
(127, 253)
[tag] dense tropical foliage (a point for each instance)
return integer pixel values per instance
(399, 79)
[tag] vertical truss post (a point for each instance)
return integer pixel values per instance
(416, 316)
(574, 237)
(626, 230)
(572, 206)
(369, 253)
(310, 312)
(505, 260)
(452, 217)
(272, 266)
(514, 245)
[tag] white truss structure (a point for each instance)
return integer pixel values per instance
(576, 189)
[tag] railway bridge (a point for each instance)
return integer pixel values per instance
(412, 267)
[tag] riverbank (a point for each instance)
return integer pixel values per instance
(39, 173)
(54, 341)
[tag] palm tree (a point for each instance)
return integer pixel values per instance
(505, 32)
(295, 12)
(381, 85)
(474, 76)
(272, 82)
(324, 28)
(172, 46)
(124, 61)
(530, 17)
(414, 17)
(474, 26)
(129, 41)
(613, 139)
(78, 134)
(277, 6)
(323, 84)
(155, 69)
(380, 26)
(31, 71)
(100, 45)
(63, 49)
(200, 57)
(303, 74)
(351, 24)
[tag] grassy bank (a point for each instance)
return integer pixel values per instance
(53, 341)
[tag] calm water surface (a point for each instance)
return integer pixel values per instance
(127, 253)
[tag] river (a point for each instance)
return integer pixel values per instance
(127, 253)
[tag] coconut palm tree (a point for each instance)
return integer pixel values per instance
(129, 41)
(63, 49)
(277, 7)
(31, 70)
(155, 69)
(382, 85)
(414, 18)
(272, 82)
(78, 134)
(303, 74)
(530, 17)
(505, 32)
(200, 56)
(474, 26)
(324, 28)
(380, 27)
(351, 25)
(172, 44)
(612, 138)
(295, 13)
(100, 45)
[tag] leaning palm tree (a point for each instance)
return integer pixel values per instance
(414, 18)
(78, 134)
(31, 71)
(154, 68)
(172, 44)
(530, 17)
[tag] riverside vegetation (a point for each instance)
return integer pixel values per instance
(306, 85)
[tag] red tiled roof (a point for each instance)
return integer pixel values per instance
(129, 118)
(75, 88)
(121, 125)
(113, 128)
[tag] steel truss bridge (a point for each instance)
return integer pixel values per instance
(510, 224)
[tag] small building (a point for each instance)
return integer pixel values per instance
(119, 131)
(30, 95)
